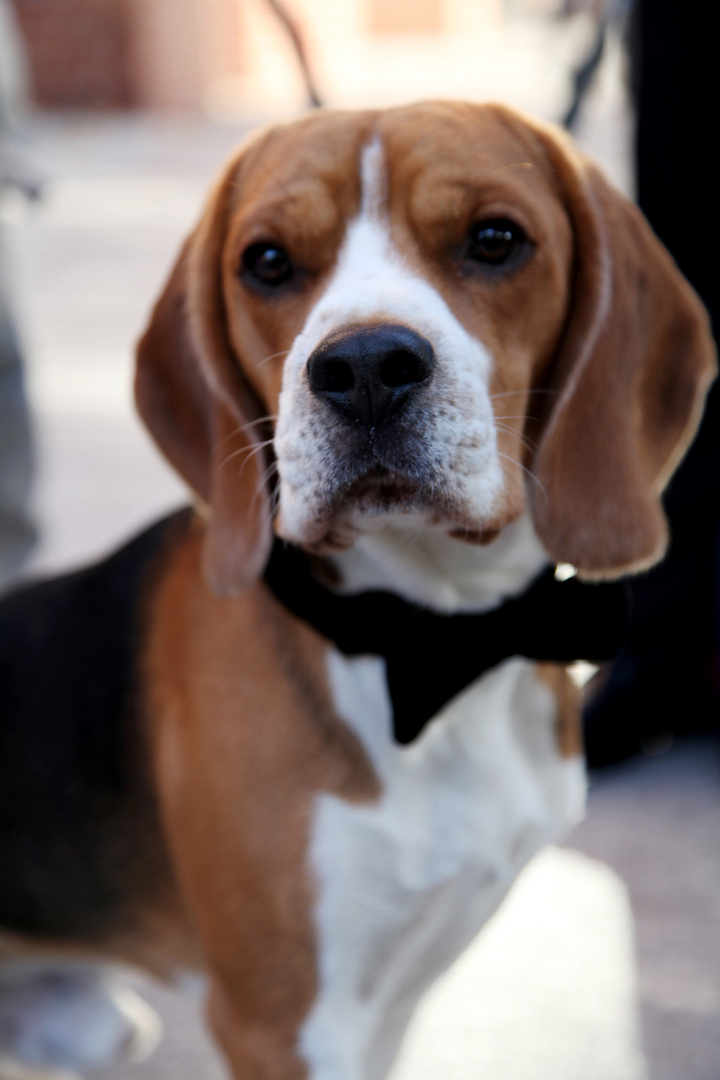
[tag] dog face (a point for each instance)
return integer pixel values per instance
(439, 314)
(387, 394)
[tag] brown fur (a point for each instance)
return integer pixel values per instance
(245, 738)
(568, 729)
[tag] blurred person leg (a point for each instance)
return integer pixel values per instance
(16, 531)
(664, 681)
(17, 534)
(54, 1015)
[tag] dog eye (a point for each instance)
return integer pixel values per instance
(495, 241)
(268, 263)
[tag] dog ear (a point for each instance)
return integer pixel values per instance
(627, 386)
(197, 404)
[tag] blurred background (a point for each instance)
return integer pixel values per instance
(114, 117)
(227, 59)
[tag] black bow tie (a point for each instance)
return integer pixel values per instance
(431, 657)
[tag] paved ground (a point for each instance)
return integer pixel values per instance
(605, 962)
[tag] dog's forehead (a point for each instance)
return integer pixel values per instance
(469, 137)
(314, 166)
(440, 156)
(305, 166)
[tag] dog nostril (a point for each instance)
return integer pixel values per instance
(401, 368)
(332, 376)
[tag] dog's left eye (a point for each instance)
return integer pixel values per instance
(267, 263)
(494, 242)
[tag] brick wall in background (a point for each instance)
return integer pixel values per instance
(79, 51)
(169, 54)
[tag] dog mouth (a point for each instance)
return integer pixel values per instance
(385, 489)
(369, 501)
(378, 483)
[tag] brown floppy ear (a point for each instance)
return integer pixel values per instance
(193, 397)
(627, 386)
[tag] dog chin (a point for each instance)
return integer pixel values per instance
(371, 504)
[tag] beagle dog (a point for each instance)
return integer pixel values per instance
(305, 736)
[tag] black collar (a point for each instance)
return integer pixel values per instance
(431, 657)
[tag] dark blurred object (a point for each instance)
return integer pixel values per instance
(293, 31)
(664, 682)
(17, 534)
(609, 16)
(16, 172)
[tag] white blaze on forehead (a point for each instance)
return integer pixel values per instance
(373, 178)
(373, 280)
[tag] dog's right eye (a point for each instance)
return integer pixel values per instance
(267, 263)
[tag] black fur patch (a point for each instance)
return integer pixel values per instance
(79, 835)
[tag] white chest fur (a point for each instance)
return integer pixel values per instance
(404, 884)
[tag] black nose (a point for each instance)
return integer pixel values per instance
(369, 373)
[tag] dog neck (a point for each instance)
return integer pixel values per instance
(432, 656)
(430, 568)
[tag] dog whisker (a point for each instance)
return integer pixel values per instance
(262, 484)
(410, 532)
(250, 451)
(528, 472)
(243, 428)
(526, 441)
(526, 393)
(273, 356)
(519, 417)
(512, 165)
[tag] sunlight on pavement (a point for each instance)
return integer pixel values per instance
(547, 990)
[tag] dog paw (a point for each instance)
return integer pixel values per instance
(70, 1017)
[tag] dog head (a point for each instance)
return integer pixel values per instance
(440, 313)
